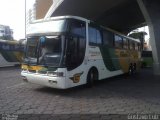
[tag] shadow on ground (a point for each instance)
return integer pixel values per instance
(142, 85)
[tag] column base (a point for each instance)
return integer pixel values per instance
(156, 68)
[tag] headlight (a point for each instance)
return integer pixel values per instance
(55, 74)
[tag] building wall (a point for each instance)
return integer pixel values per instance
(38, 11)
(6, 32)
(42, 7)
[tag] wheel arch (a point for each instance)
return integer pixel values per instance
(94, 68)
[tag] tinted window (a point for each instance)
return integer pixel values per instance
(132, 45)
(78, 28)
(125, 43)
(146, 53)
(99, 37)
(76, 44)
(92, 36)
(139, 46)
(95, 37)
(136, 46)
(118, 41)
(108, 38)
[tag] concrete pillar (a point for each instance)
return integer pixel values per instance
(151, 12)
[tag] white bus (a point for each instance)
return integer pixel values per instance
(11, 52)
(5, 63)
(64, 52)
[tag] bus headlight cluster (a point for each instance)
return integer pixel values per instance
(55, 74)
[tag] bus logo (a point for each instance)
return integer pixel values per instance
(76, 77)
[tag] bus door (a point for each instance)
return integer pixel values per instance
(76, 45)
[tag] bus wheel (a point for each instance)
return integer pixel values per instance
(92, 77)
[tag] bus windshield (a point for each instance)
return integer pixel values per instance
(31, 50)
(50, 50)
(44, 50)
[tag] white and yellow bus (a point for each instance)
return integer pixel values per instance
(77, 52)
(11, 53)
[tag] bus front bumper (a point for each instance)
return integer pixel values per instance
(53, 82)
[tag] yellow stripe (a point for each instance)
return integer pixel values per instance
(26, 67)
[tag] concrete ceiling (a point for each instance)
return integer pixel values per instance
(121, 15)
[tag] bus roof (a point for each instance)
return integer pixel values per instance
(118, 33)
(59, 18)
(82, 19)
(50, 25)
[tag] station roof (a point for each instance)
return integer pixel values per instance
(120, 15)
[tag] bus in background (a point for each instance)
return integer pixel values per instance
(64, 52)
(11, 52)
(147, 59)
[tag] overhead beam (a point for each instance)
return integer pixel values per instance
(121, 15)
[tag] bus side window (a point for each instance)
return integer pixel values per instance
(136, 46)
(95, 37)
(132, 45)
(99, 37)
(92, 36)
(129, 46)
(108, 38)
(118, 41)
(125, 43)
(139, 46)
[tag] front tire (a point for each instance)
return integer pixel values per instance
(92, 77)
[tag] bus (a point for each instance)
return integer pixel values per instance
(11, 52)
(147, 58)
(78, 52)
